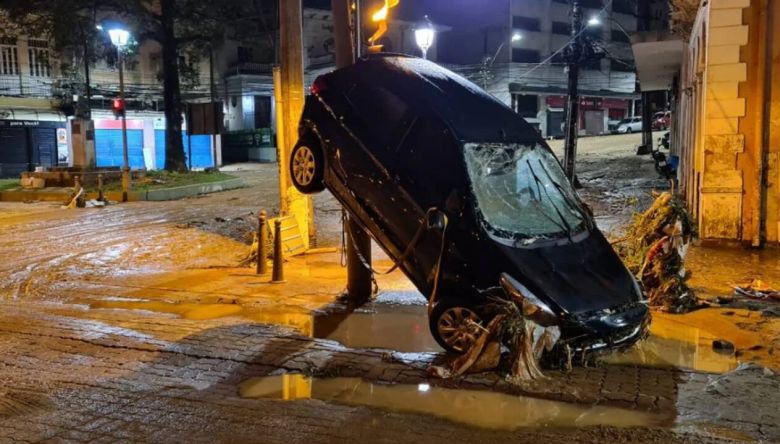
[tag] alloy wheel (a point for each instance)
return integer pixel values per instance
(459, 327)
(304, 165)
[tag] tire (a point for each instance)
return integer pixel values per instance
(307, 167)
(629, 130)
(448, 314)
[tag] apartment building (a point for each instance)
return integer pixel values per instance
(514, 50)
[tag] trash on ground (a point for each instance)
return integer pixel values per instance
(757, 289)
(654, 250)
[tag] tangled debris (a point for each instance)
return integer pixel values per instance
(654, 250)
(525, 340)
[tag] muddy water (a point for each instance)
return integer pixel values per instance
(676, 341)
(395, 327)
(475, 408)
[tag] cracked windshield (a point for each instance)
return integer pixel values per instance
(521, 191)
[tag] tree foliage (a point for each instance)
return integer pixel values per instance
(683, 15)
(186, 28)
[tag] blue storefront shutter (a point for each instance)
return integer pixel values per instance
(108, 148)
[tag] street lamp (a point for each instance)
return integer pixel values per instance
(119, 38)
(596, 21)
(424, 37)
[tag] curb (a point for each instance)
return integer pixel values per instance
(191, 190)
(133, 196)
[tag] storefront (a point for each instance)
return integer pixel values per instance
(27, 144)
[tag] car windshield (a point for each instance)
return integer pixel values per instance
(625, 121)
(521, 191)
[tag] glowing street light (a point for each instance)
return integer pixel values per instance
(424, 37)
(594, 21)
(119, 38)
(516, 37)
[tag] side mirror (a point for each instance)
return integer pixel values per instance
(435, 220)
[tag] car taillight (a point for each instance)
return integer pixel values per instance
(318, 86)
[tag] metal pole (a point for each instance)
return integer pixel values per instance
(125, 160)
(573, 100)
(213, 107)
(358, 241)
(87, 88)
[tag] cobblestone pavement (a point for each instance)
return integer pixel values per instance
(131, 323)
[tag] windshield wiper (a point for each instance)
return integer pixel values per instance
(568, 228)
(572, 205)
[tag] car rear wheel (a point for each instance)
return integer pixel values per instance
(454, 327)
(307, 167)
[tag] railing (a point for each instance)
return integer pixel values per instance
(248, 68)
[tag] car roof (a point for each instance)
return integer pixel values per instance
(471, 113)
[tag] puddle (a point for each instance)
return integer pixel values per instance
(395, 327)
(474, 408)
(685, 341)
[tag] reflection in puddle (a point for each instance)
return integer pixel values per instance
(396, 327)
(474, 408)
(191, 311)
(685, 341)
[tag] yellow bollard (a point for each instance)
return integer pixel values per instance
(278, 271)
(262, 236)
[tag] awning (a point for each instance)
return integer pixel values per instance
(658, 57)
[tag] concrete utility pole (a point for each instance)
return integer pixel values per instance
(573, 100)
(358, 241)
(290, 86)
(125, 161)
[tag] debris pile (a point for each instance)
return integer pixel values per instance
(525, 340)
(654, 250)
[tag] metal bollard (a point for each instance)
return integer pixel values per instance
(278, 271)
(262, 236)
(101, 197)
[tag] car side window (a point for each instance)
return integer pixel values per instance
(376, 113)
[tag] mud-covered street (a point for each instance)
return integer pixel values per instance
(134, 323)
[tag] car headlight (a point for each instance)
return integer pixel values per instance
(533, 307)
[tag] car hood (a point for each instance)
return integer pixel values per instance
(578, 277)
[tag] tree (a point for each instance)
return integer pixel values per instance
(178, 26)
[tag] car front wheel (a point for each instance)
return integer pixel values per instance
(307, 167)
(454, 327)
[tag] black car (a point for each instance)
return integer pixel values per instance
(467, 197)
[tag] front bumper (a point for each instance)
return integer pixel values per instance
(607, 330)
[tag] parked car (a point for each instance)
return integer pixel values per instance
(630, 125)
(612, 126)
(662, 120)
(467, 198)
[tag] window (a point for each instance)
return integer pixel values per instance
(621, 65)
(624, 6)
(38, 53)
(244, 54)
(525, 56)
(619, 36)
(525, 23)
(527, 106)
(9, 58)
(561, 28)
(595, 4)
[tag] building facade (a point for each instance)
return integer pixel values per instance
(515, 51)
(728, 131)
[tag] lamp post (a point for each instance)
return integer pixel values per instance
(424, 37)
(120, 38)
